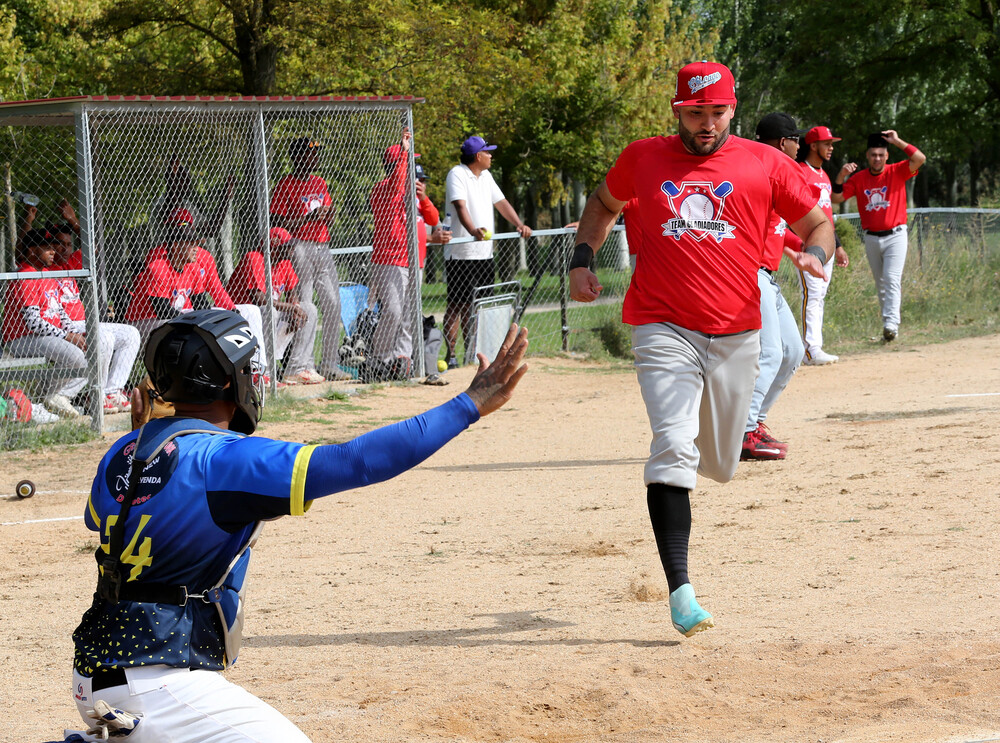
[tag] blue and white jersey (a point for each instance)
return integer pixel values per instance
(196, 505)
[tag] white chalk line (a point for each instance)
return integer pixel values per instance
(975, 394)
(40, 521)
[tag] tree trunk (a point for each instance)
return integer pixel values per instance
(258, 58)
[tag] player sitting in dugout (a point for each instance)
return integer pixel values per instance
(36, 323)
(180, 276)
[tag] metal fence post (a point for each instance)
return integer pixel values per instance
(264, 225)
(85, 194)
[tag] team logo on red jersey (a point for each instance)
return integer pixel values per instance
(698, 206)
(876, 198)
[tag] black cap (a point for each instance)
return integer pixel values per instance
(301, 145)
(875, 139)
(419, 171)
(39, 236)
(776, 126)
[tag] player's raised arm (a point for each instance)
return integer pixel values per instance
(595, 225)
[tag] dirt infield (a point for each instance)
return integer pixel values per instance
(509, 590)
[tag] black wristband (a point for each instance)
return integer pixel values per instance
(817, 251)
(837, 187)
(583, 256)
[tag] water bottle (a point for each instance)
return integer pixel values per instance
(446, 225)
(28, 199)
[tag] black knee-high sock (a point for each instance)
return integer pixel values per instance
(670, 514)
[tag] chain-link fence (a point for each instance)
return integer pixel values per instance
(122, 213)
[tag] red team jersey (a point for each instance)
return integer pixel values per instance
(294, 197)
(390, 246)
(704, 221)
(882, 197)
(42, 293)
(70, 291)
(159, 279)
(248, 278)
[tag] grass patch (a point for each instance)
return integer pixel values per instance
(27, 436)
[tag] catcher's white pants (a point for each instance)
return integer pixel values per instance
(177, 704)
(887, 256)
(697, 390)
(814, 291)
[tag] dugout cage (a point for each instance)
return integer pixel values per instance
(125, 166)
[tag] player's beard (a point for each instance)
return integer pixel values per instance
(690, 142)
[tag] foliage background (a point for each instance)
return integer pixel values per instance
(560, 85)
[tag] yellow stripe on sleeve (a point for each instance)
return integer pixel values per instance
(297, 505)
(93, 512)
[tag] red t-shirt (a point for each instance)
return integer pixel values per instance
(159, 279)
(774, 243)
(819, 184)
(249, 278)
(294, 197)
(41, 293)
(70, 291)
(881, 198)
(633, 226)
(213, 283)
(390, 246)
(704, 220)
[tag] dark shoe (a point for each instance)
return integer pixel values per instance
(435, 380)
(452, 363)
(888, 334)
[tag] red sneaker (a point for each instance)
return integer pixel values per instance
(754, 448)
(767, 438)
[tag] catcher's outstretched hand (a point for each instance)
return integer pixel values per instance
(494, 383)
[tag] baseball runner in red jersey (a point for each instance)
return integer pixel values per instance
(881, 193)
(781, 349)
(704, 200)
(818, 150)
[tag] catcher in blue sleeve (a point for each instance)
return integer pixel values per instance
(179, 504)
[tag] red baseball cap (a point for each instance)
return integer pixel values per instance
(180, 218)
(705, 84)
(279, 236)
(820, 134)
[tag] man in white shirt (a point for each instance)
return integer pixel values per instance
(471, 195)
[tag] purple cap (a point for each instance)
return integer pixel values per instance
(476, 144)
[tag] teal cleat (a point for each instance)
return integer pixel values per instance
(688, 617)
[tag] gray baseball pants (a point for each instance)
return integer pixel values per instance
(61, 354)
(886, 256)
(316, 270)
(697, 390)
(392, 289)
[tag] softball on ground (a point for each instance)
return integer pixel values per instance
(442, 365)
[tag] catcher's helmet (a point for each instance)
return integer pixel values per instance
(192, 357)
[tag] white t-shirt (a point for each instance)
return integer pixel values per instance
(479, 193)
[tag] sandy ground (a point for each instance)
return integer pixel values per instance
(508, 589)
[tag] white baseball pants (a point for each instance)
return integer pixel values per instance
(178, 704)
(697, 390)
(887, 256)
(814, 291)
(119, 347)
